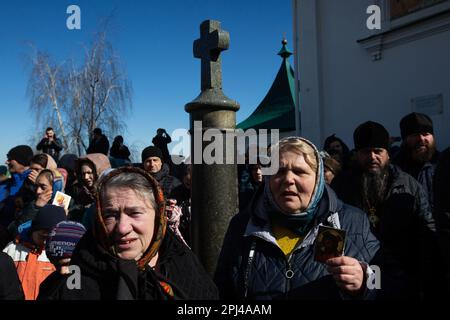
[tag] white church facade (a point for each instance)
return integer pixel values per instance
(347, 74)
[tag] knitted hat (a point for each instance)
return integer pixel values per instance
(415, 123)
(371, 135)
(151, 151)
(22, 154)
(63, 239)
(48, 217)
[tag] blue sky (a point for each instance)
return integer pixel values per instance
(154, 41)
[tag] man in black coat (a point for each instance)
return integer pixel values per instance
(50, 144)
(398, 210)
(418, 155)
(99, 143)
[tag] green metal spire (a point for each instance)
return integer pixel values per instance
(277, 109)
(285, 52)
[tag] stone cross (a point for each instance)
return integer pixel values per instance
(214, 186)
(212, 41)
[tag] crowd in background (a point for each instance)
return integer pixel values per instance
(127, 225)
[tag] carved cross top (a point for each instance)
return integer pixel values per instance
(212, 41)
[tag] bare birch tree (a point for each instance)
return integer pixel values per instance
(47, 90)
(95, 94)
(106, 91)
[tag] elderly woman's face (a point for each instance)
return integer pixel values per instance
(129, 221)
(293, 185)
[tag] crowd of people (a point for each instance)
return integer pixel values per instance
(126, 226)
(392, 201)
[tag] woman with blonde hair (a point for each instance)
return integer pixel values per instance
(268, 250)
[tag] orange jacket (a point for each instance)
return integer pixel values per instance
(32, 267)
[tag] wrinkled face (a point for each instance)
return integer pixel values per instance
(14, 166)
(129, 221)
(152, 164)
(372, 159)
(257, 173)
(336, 146)
(421, 145)
(50, 133)
(329, 176)
(39, 237)
(293, 185)
(87, 175)
(42, 185)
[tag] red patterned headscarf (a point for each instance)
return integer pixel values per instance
(100, 232)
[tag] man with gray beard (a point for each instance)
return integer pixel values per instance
(398, 210)
(418, 155)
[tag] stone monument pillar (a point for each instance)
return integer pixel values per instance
(214, 185)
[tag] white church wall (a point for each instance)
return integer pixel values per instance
(341, 85)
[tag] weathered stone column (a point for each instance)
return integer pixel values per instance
(214, 186)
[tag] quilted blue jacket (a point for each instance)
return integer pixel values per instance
(252, 266)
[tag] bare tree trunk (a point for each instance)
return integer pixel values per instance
(92, 122)
(61, 124)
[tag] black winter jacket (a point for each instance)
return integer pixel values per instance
(10, 286)
(269, 274)
(51, 148)
(107, 278)
(99, 146)
(49, 288)
(442, 208)
(422, 173)
(120, 152)
(168, 183)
